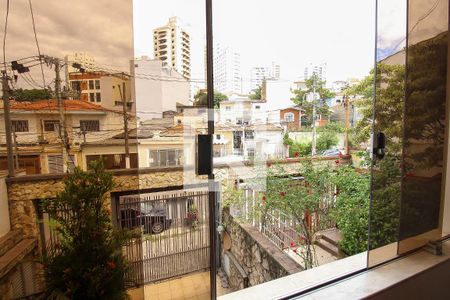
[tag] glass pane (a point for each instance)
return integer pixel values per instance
(388, 119)
(154, 162)
(169, 89)
(291, 137)
(163, 158)
(425, 107)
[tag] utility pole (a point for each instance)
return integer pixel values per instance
(313, 148)
(62, 126)
(125, 128)
(5, 90)
(16, 149)
(347, 123)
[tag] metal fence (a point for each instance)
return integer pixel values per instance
(282, 229)
(175, 234)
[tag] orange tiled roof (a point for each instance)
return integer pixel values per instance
(71, 105)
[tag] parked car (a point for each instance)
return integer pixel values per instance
(331, 153)
(153, 222)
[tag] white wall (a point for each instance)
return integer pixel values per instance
(159, 90)
(278, 94)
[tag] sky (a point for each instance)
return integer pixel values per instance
(292, 33)
(101, 27)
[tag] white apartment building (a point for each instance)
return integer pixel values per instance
(275, 71)
(101, 88)
(161, 89)
(86, 61)
(172, 45)
(227, 70)
(320, 70)
(260, 73)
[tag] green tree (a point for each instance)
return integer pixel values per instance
(314, 83)
(389, 103)
(256, 93)
(201, 98)
(326, 140)
(88, 262)
(31, 94)
(303, 200)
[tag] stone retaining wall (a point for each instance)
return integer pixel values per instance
(260, 260)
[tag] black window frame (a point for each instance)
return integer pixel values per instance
(20, 125)
(50, 123)
(93, 126)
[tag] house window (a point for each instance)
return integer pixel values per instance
(257, 107)
(91, 97)
(98, 97)
(91, 84)
(97, 84)
(218, 136)
(289, 117)
(90, 125)
(166, 157)
(55, 163)
(76, 85)
(249, 134)
(20, 125)
(227, 108)
(51, 125)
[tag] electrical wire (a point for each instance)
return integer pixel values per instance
(4, 34)
(37, 43)
(433, 7)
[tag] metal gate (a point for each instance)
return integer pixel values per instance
(175, 234)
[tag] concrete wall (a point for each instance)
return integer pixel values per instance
(252, 259)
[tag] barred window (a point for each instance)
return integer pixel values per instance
(97, 84)
(98, 97)
(91, 84)
(166, 157)
(91, 97)
(20, 125)
(90, 125)
(50, 125)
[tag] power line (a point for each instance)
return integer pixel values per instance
(4, 34)
(433, 7)
(37, 42)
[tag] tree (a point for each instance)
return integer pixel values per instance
(31, 95)
(305, 200)
(201, 98)
(88, 262)
(322, 93)
(256, 93)
(326, 140)
(388, 105)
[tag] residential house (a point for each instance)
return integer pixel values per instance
(38, 145)
(291, 117)
(106, 89)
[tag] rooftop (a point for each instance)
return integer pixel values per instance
(50, 105)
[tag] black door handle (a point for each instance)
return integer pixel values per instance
(379, 145)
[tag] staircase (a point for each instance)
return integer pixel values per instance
(328, 240)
